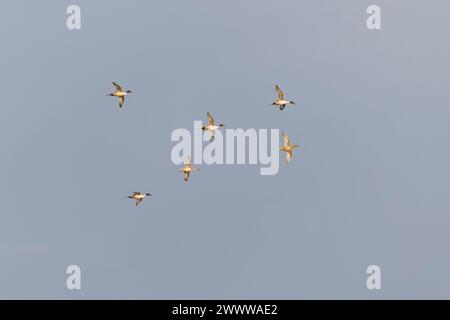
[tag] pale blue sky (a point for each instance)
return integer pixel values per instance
(369, 186)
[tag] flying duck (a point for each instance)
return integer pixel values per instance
(187, 169)
(211, 127)
(138, 197)
(288, 147)
(281, 102)
(120, 94)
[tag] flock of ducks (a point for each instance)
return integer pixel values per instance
(211, 128)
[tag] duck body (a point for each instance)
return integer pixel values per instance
(282, 103)
(287, 148)
(119, 94)
(140, 196)
(211, 127)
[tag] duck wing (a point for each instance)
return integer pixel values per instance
(280, 94)
(288, 156)
(118, 87)
(286, 139)
(121, 101)
(210, 119)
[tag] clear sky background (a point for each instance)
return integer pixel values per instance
(370, 185)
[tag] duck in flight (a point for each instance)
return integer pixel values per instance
(120, 94)
(288, 147)
(138, 197)
(187, 169)
(211, 127)
(281, 102)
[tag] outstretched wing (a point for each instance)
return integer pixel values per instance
(121, 101)
(286, 139)
(288, 156)
(280, 94)
(118, 87)
(138, 201)
(212, 135)
(186, 176)
(210, 119)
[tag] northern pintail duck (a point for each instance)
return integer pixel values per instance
(288, 147)
(120, 94)
(187, 169)
(211, 127)
(138, 197)
(281, 102)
